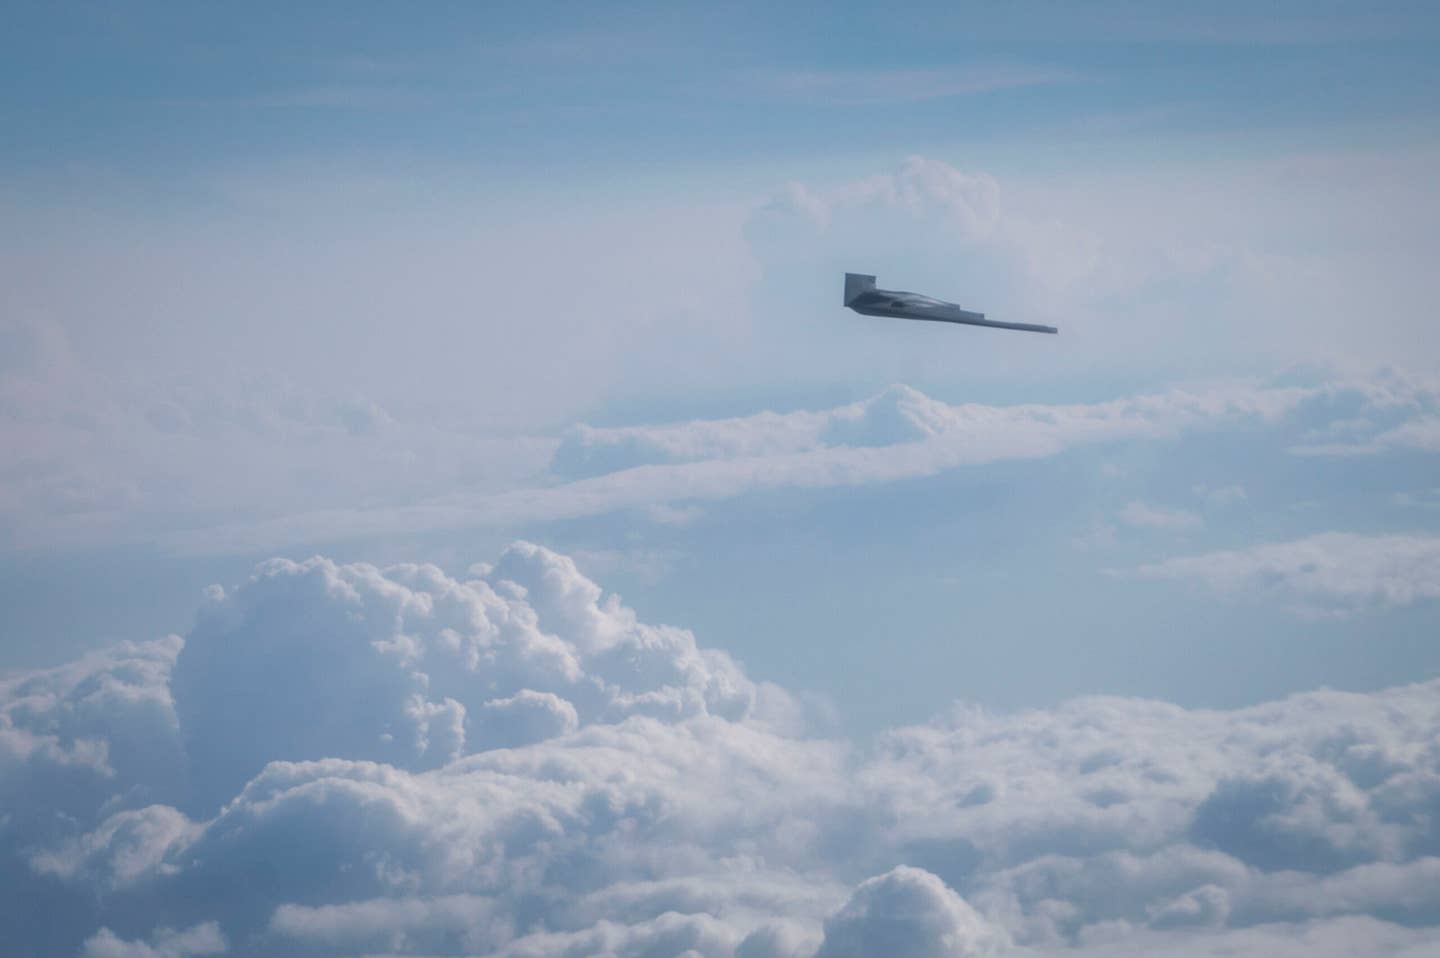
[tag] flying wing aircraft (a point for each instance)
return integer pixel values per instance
(862, 296)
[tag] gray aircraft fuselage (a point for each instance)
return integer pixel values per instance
(862, 296)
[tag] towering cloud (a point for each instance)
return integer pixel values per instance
(411, 668)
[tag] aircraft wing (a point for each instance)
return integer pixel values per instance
(864, 297)
(978, 319)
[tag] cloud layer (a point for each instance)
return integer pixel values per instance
(343, 759)
(895, 435)
(1334, 571)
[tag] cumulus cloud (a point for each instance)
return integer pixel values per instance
(76, 738)
(393, 761)
(1334, 571)
(910, 912)
(410, 667)
(203, 939)
(929, 212)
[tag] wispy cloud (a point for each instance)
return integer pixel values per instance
(899, 86)
(343, 97)
(1422, 434)
(897, 435)
(1220, 495)
(359, 469)
(1333, 572)
(1423, 499)
(1158, 517)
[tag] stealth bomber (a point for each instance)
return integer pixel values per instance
(862, 296)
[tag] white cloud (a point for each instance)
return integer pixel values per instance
(1143, 514)
(127, 847)
(203, 939)
(1421, 434)
(398, 762)
(402, 923)
(669, 515)
(408, 666)
(909, 912)
(1220, 495)
(1343, 936)
(527, 716)
(1332, 571)
(899, 434)
(73, 738)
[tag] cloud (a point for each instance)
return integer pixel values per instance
(203, 939)
(394, 761)
(897, 435)
(1220, 496)
(666, 471)
(1399, 417)
(1425, 499)
(400, 922)
(1343, 936)
(1422, 434)
(127, 847)
(910, 912)
(1333, 571)
(410, 667)
(1142, 514)
(923, 188)
(74, 736)
(902, 86)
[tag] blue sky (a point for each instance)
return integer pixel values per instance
(154, 91)
(527, 320)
